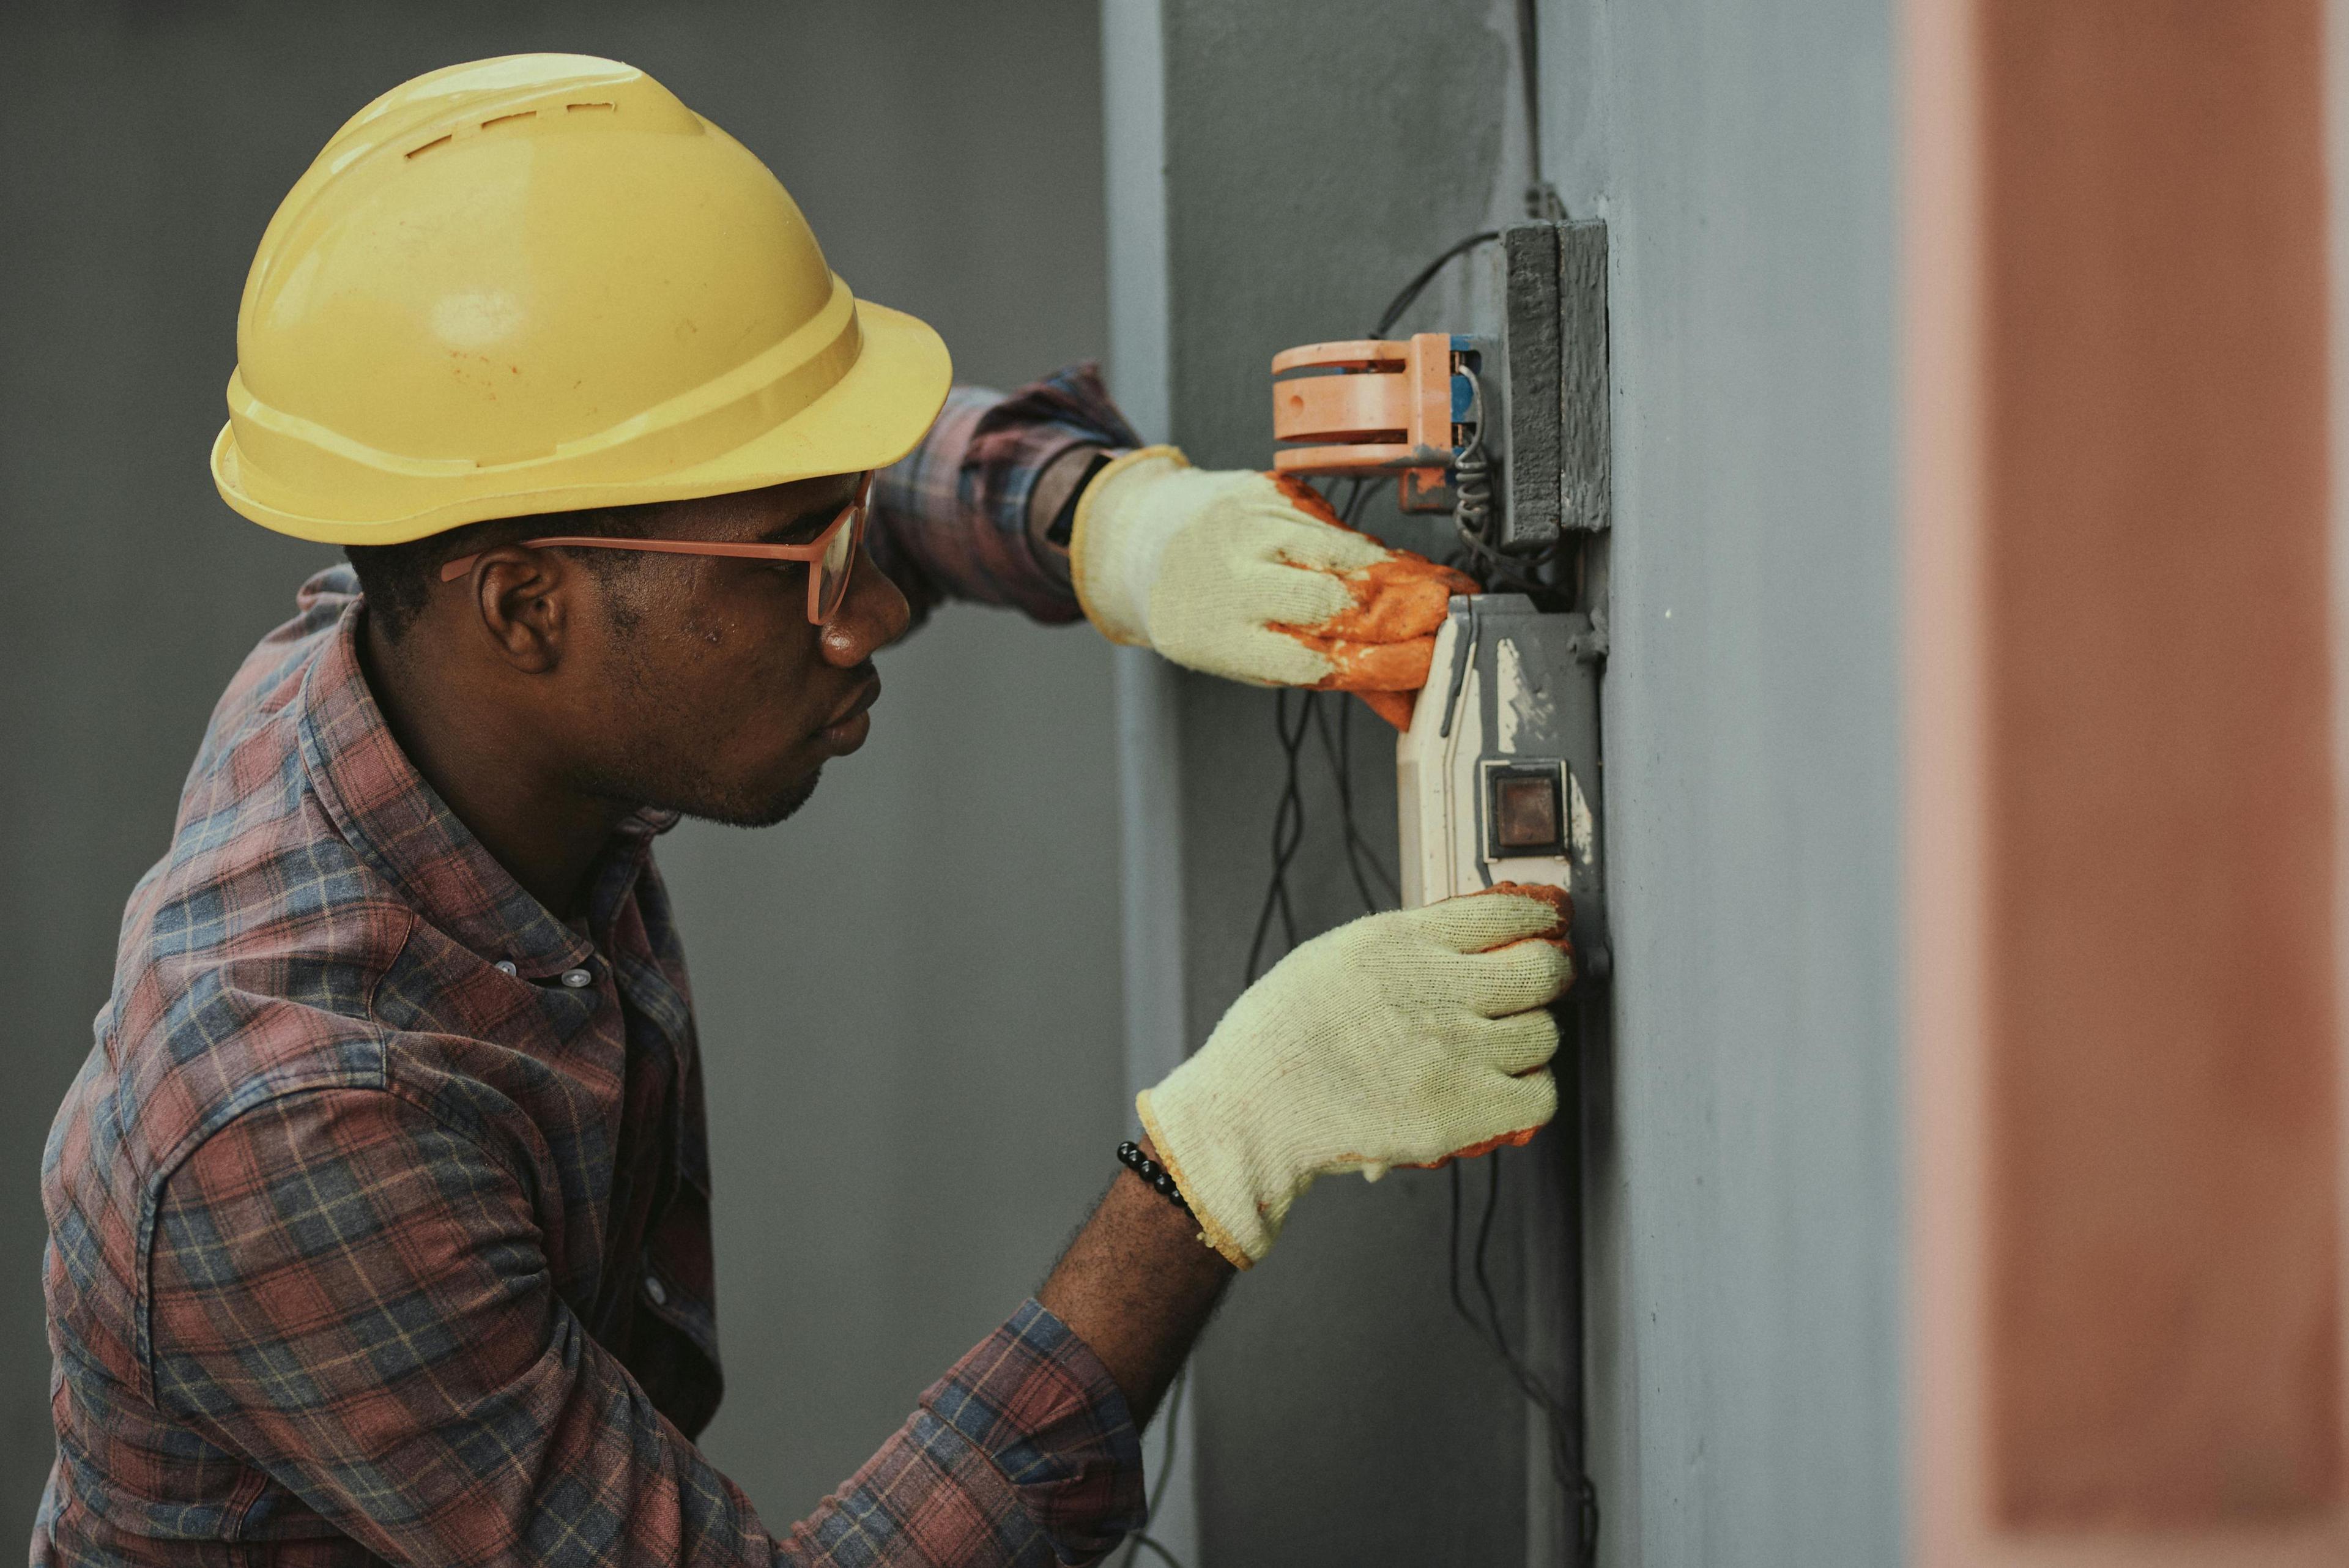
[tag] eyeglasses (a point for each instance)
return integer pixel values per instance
(833, 555)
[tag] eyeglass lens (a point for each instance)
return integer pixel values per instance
(839, 561)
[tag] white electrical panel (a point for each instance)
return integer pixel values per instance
(1497, 776)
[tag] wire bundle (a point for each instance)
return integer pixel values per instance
(1292, 723)
(1300, 716)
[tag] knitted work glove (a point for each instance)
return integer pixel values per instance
(1407, 1038)
(1252, 577)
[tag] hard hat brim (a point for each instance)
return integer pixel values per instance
(877, 413)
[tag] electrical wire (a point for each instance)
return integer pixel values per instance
(1489, 1327)
(1373, 883)
(1295, 715)
(1473, 519)
(1542, 199)
(1363, 862)
(1557, 1417)
(1412, 290)
(1473, 513)
(1288, 829)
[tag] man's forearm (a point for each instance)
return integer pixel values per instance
(961, 514)
(1054, 494)
(1137, 1286)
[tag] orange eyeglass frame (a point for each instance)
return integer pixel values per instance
(827, 586)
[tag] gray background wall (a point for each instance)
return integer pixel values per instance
(923, 962)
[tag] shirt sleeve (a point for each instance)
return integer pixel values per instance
(950, 521)
(355, 1299)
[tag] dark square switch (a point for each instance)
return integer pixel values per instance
(1527, 817)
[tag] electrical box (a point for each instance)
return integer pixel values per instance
(1497, 778)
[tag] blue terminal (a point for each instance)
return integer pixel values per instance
(1463, 377)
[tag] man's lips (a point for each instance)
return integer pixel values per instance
(867, 692)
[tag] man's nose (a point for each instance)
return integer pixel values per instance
(873, 614)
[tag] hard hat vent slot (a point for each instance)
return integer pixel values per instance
(575, 107)
(510, 118)
(441, 142)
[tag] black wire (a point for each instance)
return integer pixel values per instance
(1556, 1416)
(1331, 747)
(1529, 84)
(1141, 1540)
(1484, 1243)
(1370, 874)
(1451, 1252)
(1542, 199)
(1363, 862)
(1411, 291)
(1476, 557)
(1488, 1329)
(1287, 829)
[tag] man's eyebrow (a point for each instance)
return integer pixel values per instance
(805, 523)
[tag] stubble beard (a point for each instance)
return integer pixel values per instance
(692, 790)
(667, 773)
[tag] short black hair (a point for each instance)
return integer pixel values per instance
(398, 580)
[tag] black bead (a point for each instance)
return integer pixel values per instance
(1157, 1176)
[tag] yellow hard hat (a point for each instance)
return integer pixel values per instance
(539, 284)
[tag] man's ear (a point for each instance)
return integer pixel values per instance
(526, 602)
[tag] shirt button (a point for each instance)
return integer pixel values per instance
(507, 966)
(576, 978)
(656, 1292)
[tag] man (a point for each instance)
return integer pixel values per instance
(380, 1213)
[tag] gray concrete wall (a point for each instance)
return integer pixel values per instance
(1746, 1196)
(922, 964)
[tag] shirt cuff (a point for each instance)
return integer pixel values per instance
(1038, 1404)
(951, 520)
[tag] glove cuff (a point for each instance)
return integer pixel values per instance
(1232, 1198)
(1116, 543)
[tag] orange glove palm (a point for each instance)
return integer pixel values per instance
(1252, 577)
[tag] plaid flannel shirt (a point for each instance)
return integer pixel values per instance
(951, 521)
(378, 1214)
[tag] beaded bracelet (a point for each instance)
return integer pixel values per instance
(1157, 1176)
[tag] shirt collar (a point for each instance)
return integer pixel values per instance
(400, 826)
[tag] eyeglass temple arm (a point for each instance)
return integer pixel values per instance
(452, 570)
(464, 564)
